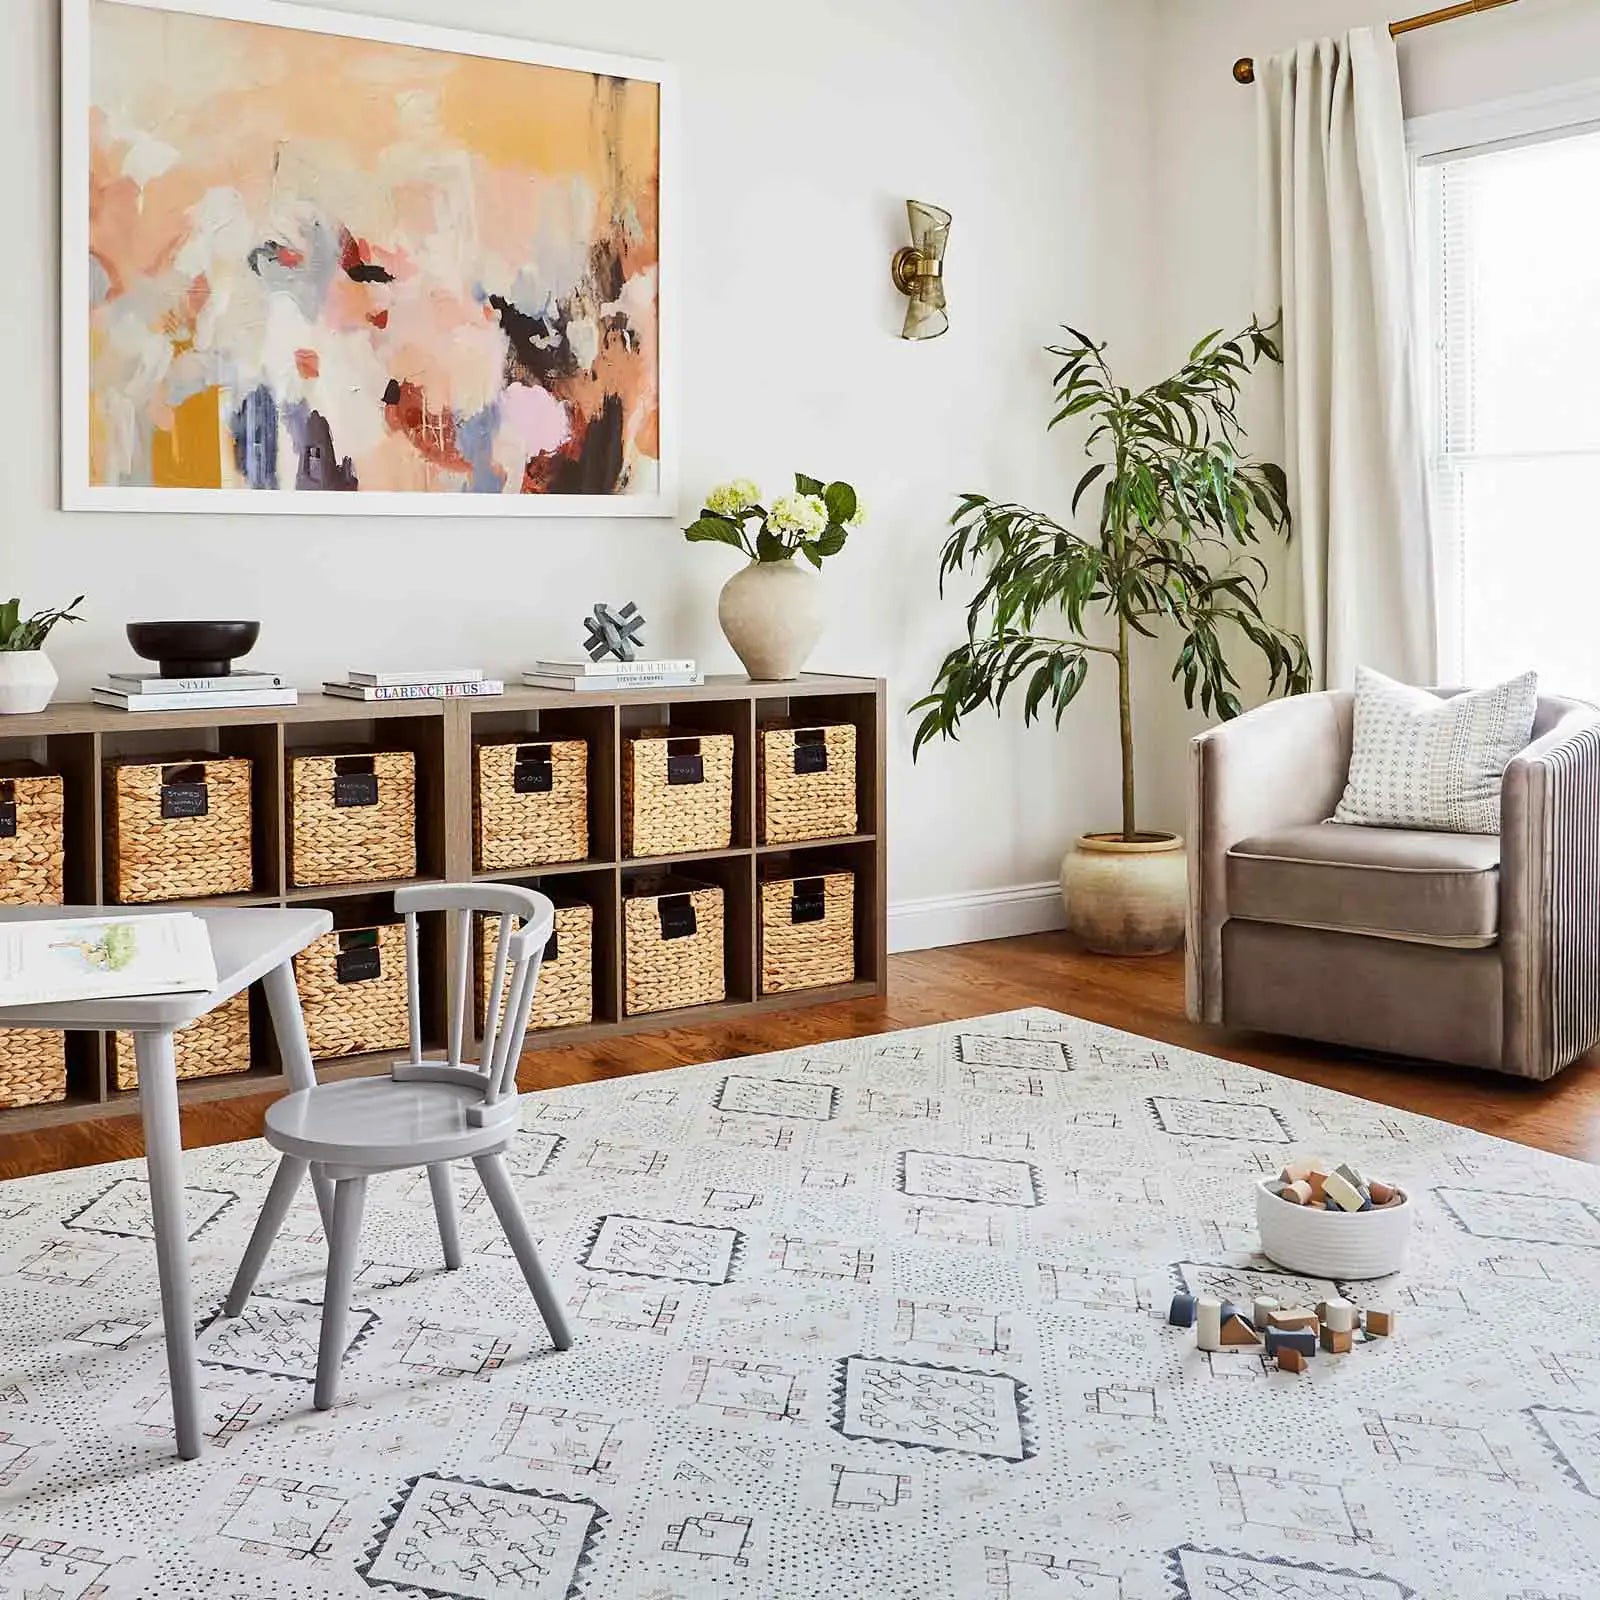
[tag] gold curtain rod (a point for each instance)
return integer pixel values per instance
(1244, 69)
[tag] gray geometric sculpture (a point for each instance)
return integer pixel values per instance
(614, 633)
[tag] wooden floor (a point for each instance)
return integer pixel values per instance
(1141, 996)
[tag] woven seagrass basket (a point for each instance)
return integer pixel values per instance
(808, 931)
(530, 802)
(33, 1066)
(178, 829)
(565, 995)
(353, 991)
(806, 782)
(32, 836)
(672, 945)
(352, 818)
(677, 791)
(217, 1044)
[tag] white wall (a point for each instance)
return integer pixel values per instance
(805, 127)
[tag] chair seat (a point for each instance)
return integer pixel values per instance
(378, 1124)
(1388, 883)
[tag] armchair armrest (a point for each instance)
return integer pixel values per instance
(1283, 764)
(1550, 897)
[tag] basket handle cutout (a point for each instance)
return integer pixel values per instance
(355, 781)
(360, 958)
(685, 764)
(184, 792)
(8, 809)
(810, 750)
(677, 916)
(810, 903)
(552, 949)
(534, 771)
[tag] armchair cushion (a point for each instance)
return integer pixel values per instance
(1389, 883)
(1422, 760)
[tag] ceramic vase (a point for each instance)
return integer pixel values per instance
(1126, 897)
(772, 615)
(27, 681)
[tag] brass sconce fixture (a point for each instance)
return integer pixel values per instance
(918, 271)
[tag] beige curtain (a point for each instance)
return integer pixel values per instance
(1336, 233)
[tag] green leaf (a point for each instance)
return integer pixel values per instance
(840, 500)
(713, 529)
(808, 548)
(1083, 483)
(805, 485)
(769, 547)
(831, 540)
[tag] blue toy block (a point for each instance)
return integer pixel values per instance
(1302, 1339)
(1183, 1310)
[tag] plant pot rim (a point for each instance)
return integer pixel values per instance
(1148, 843)
(38, 650)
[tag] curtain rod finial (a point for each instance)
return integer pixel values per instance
(1244, 70)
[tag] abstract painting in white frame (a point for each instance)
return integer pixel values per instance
(320, 262)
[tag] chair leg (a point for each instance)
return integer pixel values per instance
(349, 1199)
(323, 1188)
(444, 1210)
(497, 1185)
(285, 1183)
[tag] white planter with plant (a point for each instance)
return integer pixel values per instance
(27, 678)
(1171, 553)
(773, 610)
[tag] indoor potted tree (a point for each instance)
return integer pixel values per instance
(1180, 509)
(27, 679)
(772, 609)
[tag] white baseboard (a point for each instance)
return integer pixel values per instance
(980, 914)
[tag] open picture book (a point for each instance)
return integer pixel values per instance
(104, 958)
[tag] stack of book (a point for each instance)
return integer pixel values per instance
(427, 683)
(142, 690)
(602, 677)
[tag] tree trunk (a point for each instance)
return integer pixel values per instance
(1125, 728)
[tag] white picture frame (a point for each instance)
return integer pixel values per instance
(78, 493)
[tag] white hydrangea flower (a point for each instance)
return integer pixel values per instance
(729, 499)
(859, 515)
(799, 513)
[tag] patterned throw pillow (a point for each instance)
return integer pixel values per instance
(1419, 761)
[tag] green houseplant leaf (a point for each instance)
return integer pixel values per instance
(1170, 552)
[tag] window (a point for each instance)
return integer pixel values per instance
(1509, 263)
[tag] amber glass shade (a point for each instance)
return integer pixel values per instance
(926, 317)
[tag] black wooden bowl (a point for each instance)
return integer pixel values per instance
(193, 649)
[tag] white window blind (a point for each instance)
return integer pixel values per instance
(1510, 269)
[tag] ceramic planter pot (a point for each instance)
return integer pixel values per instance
(27, 681)
(772, 614)
(1126, 898)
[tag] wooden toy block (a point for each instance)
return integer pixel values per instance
(1382, 1193)
(1337, 1342)
(1292, 1321)
(1236, 1330)
(1380, 1324)
(1290, 1359)
(1295, 1172)
(1297, 1193)
(1316, 1177)
(1339, 1314)
(1261, 1309)
(1339, 1189)
(1208, 1322)
(1302, 1339)
(1182, 1313)
(1352, 1175)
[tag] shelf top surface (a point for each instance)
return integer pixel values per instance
(82, 716)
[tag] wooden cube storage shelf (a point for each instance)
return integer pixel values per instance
(78, 741)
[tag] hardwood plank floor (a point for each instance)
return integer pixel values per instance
(1140, 996)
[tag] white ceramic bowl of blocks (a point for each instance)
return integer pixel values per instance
(1333, 1244)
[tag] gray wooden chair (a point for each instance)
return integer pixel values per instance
(423, 1114)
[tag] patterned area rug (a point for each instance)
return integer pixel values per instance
(877, 1319)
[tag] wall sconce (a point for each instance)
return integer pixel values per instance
(918, 271)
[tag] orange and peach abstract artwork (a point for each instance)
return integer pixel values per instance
(324, 263)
